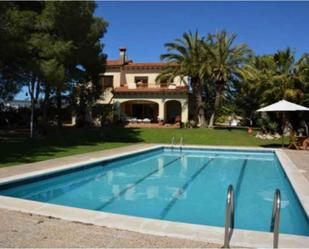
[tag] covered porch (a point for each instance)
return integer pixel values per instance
(139, 111)
(151, 109)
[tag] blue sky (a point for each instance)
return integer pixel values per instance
(144, 27)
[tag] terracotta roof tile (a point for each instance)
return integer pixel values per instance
(113, 63)
(147, 64)
(131, 64)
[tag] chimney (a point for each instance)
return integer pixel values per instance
(122, 58)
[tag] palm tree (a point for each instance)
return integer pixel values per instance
(250, 85)
(267, 79)
(185, 57)
(284, 82)
(224, 60)
(302, 72)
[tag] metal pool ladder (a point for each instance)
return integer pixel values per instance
(229, 216)
(275, 217)
(173, 142)
(181, 143)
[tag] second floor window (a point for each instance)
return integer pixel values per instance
(107, 81)
(141, 80)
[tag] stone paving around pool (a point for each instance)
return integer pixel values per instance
(26, 230)
(301, 159)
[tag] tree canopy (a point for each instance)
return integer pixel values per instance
(270, 78)
(227, 77)
(45, 46)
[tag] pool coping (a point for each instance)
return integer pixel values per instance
(205, 233)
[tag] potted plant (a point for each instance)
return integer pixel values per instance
(250, 130)
(140, 84)
(160, 121)
(192, 123)
(178, 119)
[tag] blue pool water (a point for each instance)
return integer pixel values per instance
(188, 186)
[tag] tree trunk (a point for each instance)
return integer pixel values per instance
(200, 111)
(199, 103)
(212, 120)
(32, 92)
(46, 109)
(216, 105)
(45, 106)
(59, 105)
(32, 118)
(81, 109)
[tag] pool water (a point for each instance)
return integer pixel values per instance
(185, 186)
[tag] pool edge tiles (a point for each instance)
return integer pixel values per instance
(157, 227)
(300, 185)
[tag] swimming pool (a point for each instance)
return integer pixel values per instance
(183, 186)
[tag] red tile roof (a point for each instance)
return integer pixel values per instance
(113, 62)
(131, 64)
(125, 89)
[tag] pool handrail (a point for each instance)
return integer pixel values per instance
(173, 142)
(229, 216)
(181, 143)
(275, 217)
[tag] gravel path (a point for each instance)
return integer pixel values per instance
(24, 230)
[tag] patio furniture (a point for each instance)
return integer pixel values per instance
(296, 141)
(146, 121)
(172, 86)
(305, 143)
(133, 120)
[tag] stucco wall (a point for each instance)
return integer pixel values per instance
(151, 74)
(132, 73)
(160, 98)
(107, 95)
(116, 74)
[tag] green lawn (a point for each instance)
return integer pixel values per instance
(17, 148)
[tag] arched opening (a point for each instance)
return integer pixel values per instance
(172, 111)
(141, 110)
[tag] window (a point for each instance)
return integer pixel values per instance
(141, 80)
(107, 81)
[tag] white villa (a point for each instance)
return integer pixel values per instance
(132, 89)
